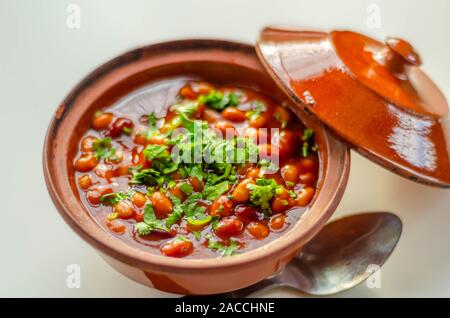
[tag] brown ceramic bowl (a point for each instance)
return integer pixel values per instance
(216, 61)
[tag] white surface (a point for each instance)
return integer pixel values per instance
(41, 60)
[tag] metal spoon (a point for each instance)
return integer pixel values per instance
(340, 257)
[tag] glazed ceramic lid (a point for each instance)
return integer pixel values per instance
(372, 95)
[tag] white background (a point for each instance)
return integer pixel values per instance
(41, 59)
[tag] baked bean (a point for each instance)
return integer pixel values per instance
(119, 126)
(277, 222)
(86, 163)
(258, 122)
(102, 121)
(137, 180)
(258, 230)
(241, 193)
(123, 209)
(286, 141)
(289, 173)
(177, 192)
(307, 178)
(227, 129)
(233, 114)
(187, 92)
(161, 204)
(229, 227)
(94, 195)
(116, 226)
(87, 144)
(85, 182)
(254, 173)
(305, 196)
(282, 201)
(177, 248)
(139, 199)
(247, 213)
(222, 206)
(307, 165)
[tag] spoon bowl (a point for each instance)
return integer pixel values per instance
(341, 256)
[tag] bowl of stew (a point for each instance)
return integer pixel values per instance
(189, 170)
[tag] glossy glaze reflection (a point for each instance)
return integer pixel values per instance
(410, 139)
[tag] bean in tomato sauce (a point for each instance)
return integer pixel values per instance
(221, 170)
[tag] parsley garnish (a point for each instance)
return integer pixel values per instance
(224, 250)
(177, 212)
(186, 188)
(103, 149)
(197, 235)
(258, 109)
(150, 222)
(152, 119)
(161, 158)
(262, 192)
(219, 101)
(308, 142)
(149, 177)
(113, 198)
(212, 192)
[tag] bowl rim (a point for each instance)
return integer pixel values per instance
(334, 174)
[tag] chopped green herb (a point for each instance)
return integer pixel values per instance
(219, 101)
(149, 177)
(113, 198)
(112, 216)
(258, 109)
(186, 188)
(197, 235)
(308, 142)
(103, 149)
(278, 118)
(177, 212)
(127, 131)
(187, 109)
(203, 220)
(224, 250)
(212, 192)
(262, 192)
(150, 222)
(152, 119)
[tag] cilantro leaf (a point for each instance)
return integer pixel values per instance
(149, 177)
(150, 222)
(187, 109)
(258, 109)
(103, 149)
(143, 228)
(308, 142)
(197, 235)
(262, 192)
(186, 188)
(177, 212)
(219, 101)
(212, 192)
(152, 152)
(113, 198)
(152, 119)
(224, 250)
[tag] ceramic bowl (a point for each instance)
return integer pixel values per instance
(218, 62)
